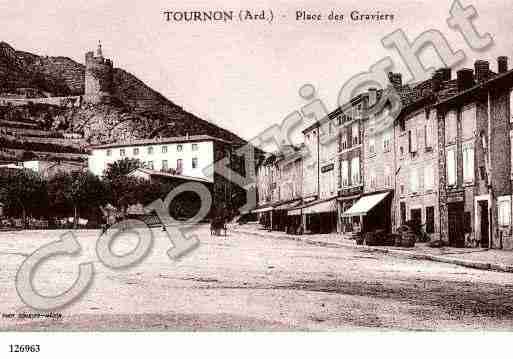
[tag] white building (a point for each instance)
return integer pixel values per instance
(188, 156)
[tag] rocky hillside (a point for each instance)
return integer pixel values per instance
(139, 112)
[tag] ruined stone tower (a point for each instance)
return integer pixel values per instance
(98, 77)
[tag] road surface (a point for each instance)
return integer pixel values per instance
(244, 282)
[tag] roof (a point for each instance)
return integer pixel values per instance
(169, 175)
(498, 78)
(158, 141)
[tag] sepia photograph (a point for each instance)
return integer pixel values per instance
(226, 166)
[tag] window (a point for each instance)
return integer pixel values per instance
(330, 128)
(344, 140)
(150, 150)
(414, 180)
(345, 173)
(430, 219)
(179, 165)
(429, 135)
(504, 207)
(355, 171)
(372, 145)
(195, 162)
(451, 127)
(165, 165)
(194, 146)
(179, 148)
(451, 167)
(373, 180)
(468, 162)
(355, 131)
(164, 149)
(136, 151)
(387, 140)
(109, 153)
(388, 176)
(402, 124)
(420, 137)
(150, 165)
(412, 140)
(468, 123)
(429, 180)
(122, 152)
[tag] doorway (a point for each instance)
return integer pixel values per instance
(456, 226)
(416, 216)
(484, 228)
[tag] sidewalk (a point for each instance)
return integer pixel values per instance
(485, 259)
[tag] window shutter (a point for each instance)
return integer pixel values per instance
(451, 167)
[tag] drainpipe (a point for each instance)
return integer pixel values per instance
(490, 174)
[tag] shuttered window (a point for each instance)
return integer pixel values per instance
(451, 167)
(468, 162)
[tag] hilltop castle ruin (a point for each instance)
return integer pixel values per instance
(99, 73)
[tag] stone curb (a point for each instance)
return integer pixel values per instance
(498, 267)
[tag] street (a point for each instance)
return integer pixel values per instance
(244, 282)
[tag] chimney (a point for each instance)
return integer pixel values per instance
(395, 78)
(502, 64)
(465, 79)
(482, 69)
(440, 76)
(373, 96)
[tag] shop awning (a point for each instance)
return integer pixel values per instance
(365, 204)
(323, 206)
(262, 210)
(287, 206)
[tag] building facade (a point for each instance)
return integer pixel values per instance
(188, 156)
(474, 130)
(444, 161)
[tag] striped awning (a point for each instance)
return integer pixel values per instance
(365, 204)
(319, 206)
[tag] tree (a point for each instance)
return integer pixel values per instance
(76, 191)
(126, 191)
(23, 191)
(121, 168)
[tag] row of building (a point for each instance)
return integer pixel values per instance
(441, 158)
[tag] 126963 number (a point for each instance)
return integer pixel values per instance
(15, 348)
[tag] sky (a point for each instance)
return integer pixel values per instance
(244, 77)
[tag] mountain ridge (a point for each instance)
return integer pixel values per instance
(62, 76)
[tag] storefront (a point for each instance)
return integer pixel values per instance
(371, 212)
(318, 216)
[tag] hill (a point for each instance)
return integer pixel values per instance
(138, 112)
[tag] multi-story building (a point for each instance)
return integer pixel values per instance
(192, 157)
(188, 156)
(445, 160)
(379, 165)
(474, 133)
(350, 165)
(319, 210)
(280, 187)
